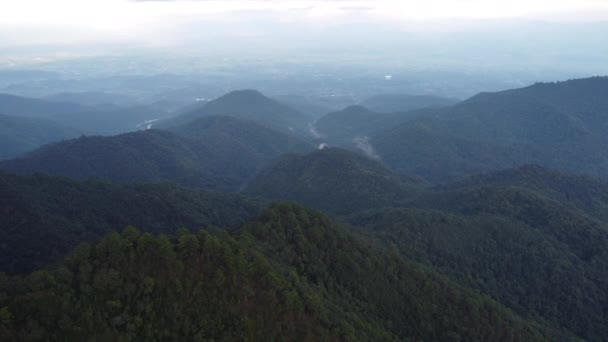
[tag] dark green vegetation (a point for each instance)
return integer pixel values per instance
(249, 105)
(526, 236)
(388, 103)
(217, 153)
(587, 194)
(514, 255)
(236, 138)
(44, 217)
(22, 134)
(558, 125)
(534, 239)
(334, 180)
(291, 274)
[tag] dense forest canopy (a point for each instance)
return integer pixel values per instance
(429, 219)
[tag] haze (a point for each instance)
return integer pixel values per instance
(485, 45)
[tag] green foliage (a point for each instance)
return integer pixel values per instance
(157, 289)
(44, 217)
(211, 153)
(291, 275)
(546, 261)
(334, 180)
(559, 125)
(374, 291)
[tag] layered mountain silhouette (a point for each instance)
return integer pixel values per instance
(485, 220)
(559, 125)
(95, 119)
(217, 153)
(22, 134)
(356, 122)
(334, 180)
(388, 103)
(250, 105)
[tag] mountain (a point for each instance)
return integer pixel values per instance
(331, 179)
(147, 156)
(22, 106)
(346, 126)
(44, 217)
(21, 134)
(388, 103)
(544, 260)
(111, 119)
(209, 153)
(231, 133)
(557, 125)
(92, 98)
(290, 274)
(588, 194)
(249, 105)
(309, 105)
(108, 119)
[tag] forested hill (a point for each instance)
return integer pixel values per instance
(229, 135)
(587, 194)
(557, 125)
(249, 105)
(545, 260)
(23, 134)
(214, 153)
(334, 180)
(29, 107)
(109, 119)
(44, 217)
(290, 274)
(343, 127)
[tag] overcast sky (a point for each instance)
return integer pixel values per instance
(523, 34)
(42, 21)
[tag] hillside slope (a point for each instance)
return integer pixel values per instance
(210, 153)
(250, 105)
(44, 217)
(22, 134)
(289, 274)
(558, 125)
(334, 180)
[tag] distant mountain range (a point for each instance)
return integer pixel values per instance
(250, 105)
(30, 123)
(217, 153)
(22, 134)
(484, 220)
(558, 125)
(345, 126)
(390, 103)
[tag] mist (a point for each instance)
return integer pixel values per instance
(502, 44)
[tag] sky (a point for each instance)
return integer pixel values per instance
(544, 33)
(54, 21)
